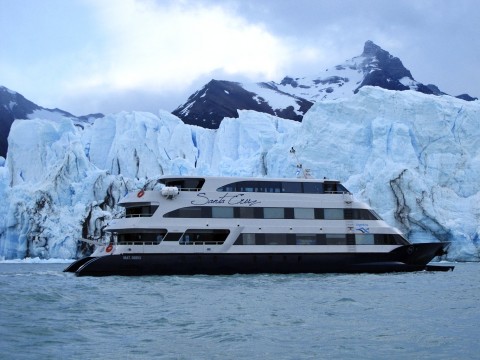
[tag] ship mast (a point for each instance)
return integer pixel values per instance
(300, 170)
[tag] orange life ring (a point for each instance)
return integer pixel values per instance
(109, 248)
(140, 193)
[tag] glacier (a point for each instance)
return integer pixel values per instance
(414, 158)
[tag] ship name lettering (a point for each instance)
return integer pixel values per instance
(227, 198)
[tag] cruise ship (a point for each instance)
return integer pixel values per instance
(227, 225)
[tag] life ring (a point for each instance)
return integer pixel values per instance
(140, 193)
(109, 248)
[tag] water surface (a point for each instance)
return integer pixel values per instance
(48, 314)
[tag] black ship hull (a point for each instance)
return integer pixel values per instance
(406, 258)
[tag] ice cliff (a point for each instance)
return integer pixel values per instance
(414, 157)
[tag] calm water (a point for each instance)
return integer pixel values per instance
(48, 314)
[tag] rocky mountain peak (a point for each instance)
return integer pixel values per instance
(370, 49)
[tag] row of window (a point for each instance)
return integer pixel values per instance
(190, 237)
(271, 213)
(320, 239)
(196, 184)
(285, 187)
(218, 237)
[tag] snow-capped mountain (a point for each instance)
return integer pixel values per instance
(15, 106)
(293, 96)
(414, 157)
(221, 99)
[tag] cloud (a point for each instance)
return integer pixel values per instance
(169, 45)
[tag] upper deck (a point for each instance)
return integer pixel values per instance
(242, 184)
(219, 189)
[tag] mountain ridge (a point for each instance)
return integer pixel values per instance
(290, 98)
(293, 96)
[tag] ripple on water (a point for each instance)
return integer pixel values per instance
(46, 313)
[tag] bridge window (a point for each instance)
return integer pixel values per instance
(312, 188)
(292, 187)
(185, 184)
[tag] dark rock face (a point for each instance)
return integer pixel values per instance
(219, 99)
(386, 71)
(466, 97)
(12, 106)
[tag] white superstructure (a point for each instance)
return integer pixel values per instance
(220, 225)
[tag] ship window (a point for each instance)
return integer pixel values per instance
(293, 239)
(188, 212)
(250, 239)
(336, 239)
(246, 186)
(147, 238)
(140, 211)
(306, 239)
(273, 213)
(252, 186)
(364, 239)
(319, 213)
(204, 237)
(222, 212)
(313, 188)
(275, 239)
(289, 214)
(246, 212)
(172, 236)
(350, 239)
(185, 184)
(291, 187)
(400, 240)
(272, 187)
(361, 214)
(304, 213)
(342, 189)
(329, 187)
(386, 239)
(228, 188)
(247, 239)
(375, 214)
(389, 239)
(333, 214)
(321, 239)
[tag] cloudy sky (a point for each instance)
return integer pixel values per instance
(87, 56)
